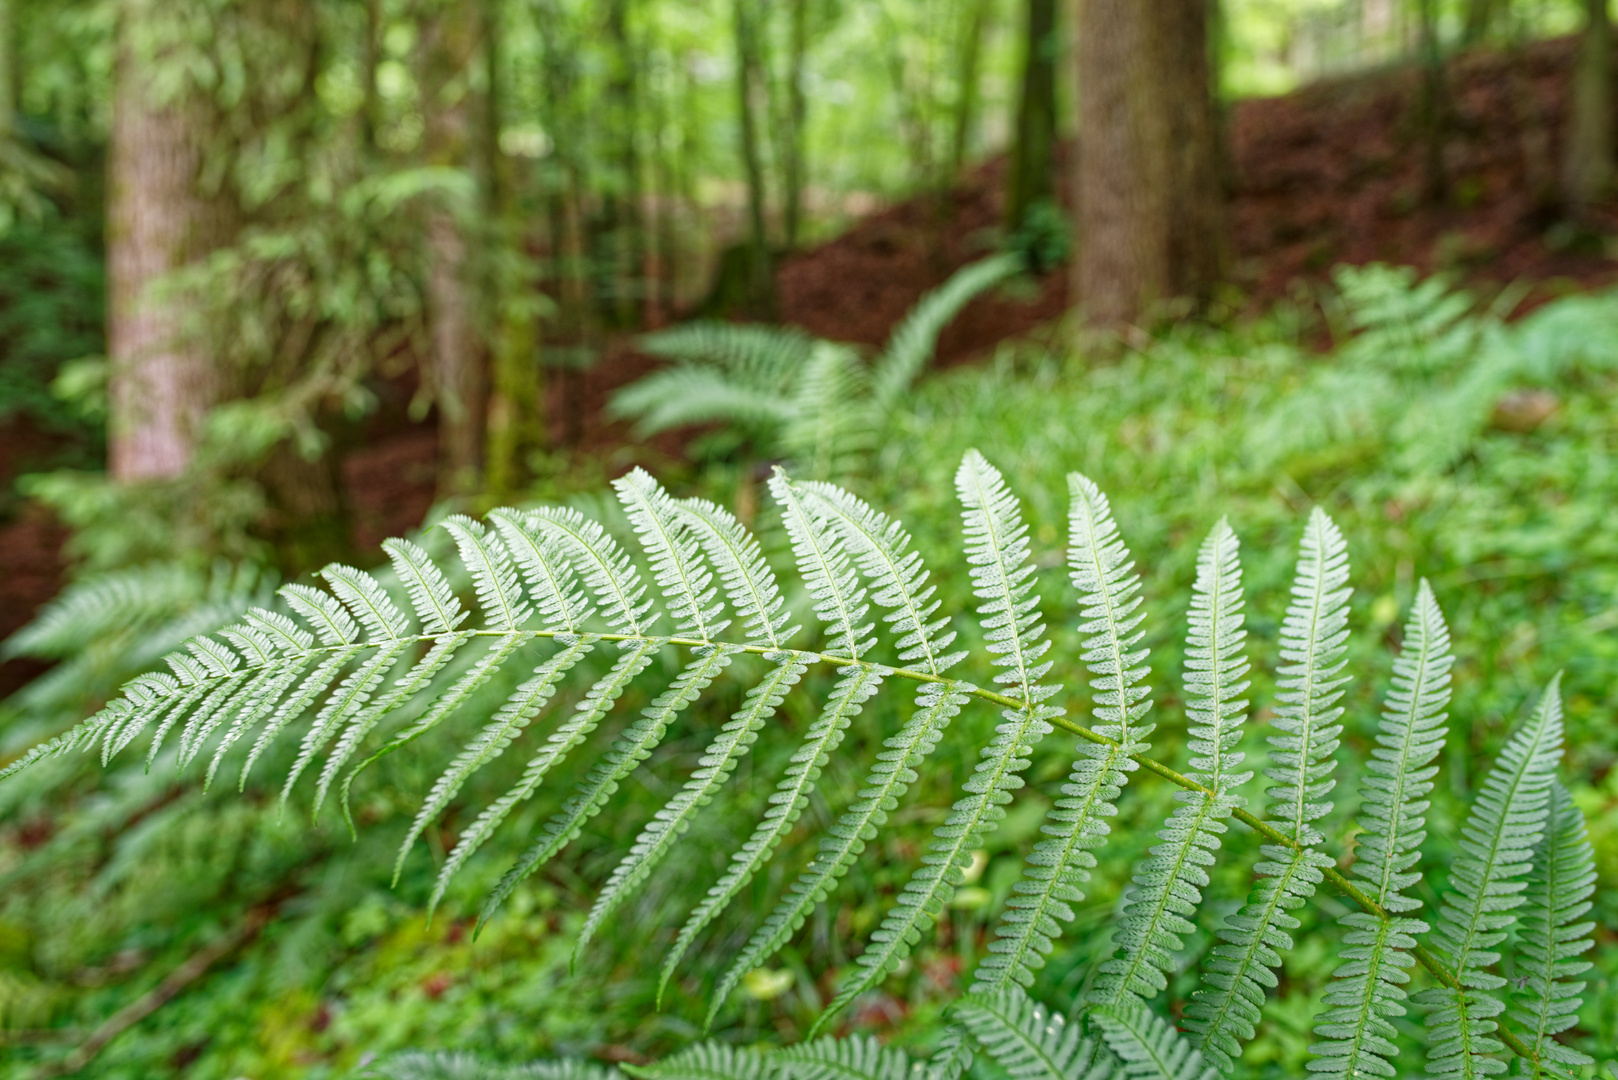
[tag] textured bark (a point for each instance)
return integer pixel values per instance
(1587, 165)
(1035, 141)
(158, 221)
(450, 46)
(1150, 207)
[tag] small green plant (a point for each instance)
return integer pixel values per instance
(334, 668)
(789, 396)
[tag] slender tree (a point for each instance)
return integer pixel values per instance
(797, 115)
(10, 80)
(1433, 101)
(1587, 164)
(1033, 150)
(750, 92)
(448, 48)
(159, 220)
(969, 53)
(1149, 203)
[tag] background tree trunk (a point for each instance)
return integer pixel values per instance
(1149, 202)
(10, 81)
(158, 221)
(750, 92)
(1034, 143)
(450, 46)
(1433, 104)
(967, 95)
(797, 112)
(1587, 163)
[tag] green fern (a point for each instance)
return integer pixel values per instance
(370, 663)
(855, 1058)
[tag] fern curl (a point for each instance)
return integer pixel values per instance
(1169, 882)
(1356, 1029)
(1488, 882)
(997, 553)
(1550, 940)
(1029, 1041)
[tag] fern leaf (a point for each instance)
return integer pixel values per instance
(1029, 1041)
(1550, 940)
(1148, 1046)
(508, 722)
(1313, 637)
(296, 703)
(551, 579)
(406, 687)
(597, 702)
(259, 709)
(256, 700)
(882, 551)
(628, 751)
(285, 635)
(349, 698)
(838, 598)
(1357, 1026)
(913, 341)
(889, 777)
(747, 577)
(859, 1057)
(330, 619)
(829, 425)
(494, 573)
(670, 823)
(856, 685)
(1488, 880)
(997, 552)
(708, 1061)
(1076, 825)
(217, 693)
(605, 567)
(676, 559)
(435, 603)
(369, 602)
(1169, 883)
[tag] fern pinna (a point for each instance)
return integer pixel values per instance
(368, 665)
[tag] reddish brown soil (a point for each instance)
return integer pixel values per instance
(1331, 174)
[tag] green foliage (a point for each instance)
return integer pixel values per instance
(815, 403)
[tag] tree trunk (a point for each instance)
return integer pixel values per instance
(1587, 163)
(1433, 104)
(1150, 206)
(10, 80)
(797, 111)
(750, 94)
(1035, 139)
(370, 50)
(450, 47)
(158, 221)
(1479, 19)
(967, 92)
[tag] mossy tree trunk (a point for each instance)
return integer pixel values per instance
(1034, 146)
(1587, 162)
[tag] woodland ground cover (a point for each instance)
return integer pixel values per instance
(1446, 445)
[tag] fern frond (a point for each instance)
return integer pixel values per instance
(700, 394)
(1357, 1027)
(1169, 882)
(330, 619)
(435, 602)
(1076, 825)
(997, 553)
(914, 340)
(669, 823)
(605, 567)
(1147, 1045)
(494, 574)
(629, 750)
(368, 601)
(597, 702)
(830, 422)
(1488, 881)
(499, 733)
(856, 684)
(294, 705)
(1550, 941)
(262, 707)
(1313, 641)
(1029, 1041)
(551, 579)
(858, 1057)
(746, 575)
(838, 598)
(882, 550)
(676, 559)
(351, 695)
(709, 1061)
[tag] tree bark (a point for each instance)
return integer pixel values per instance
(968, 91)
(1433, 102)
(162, 382)
(1587, 165)
(459, 380)
(1479, 20)
(1149, 202)
(10, 77)
(1035, 140)
(797, 112)
(750, 92)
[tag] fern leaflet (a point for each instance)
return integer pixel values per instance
(1029, 1041)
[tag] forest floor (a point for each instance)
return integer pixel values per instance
(1334, 173)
